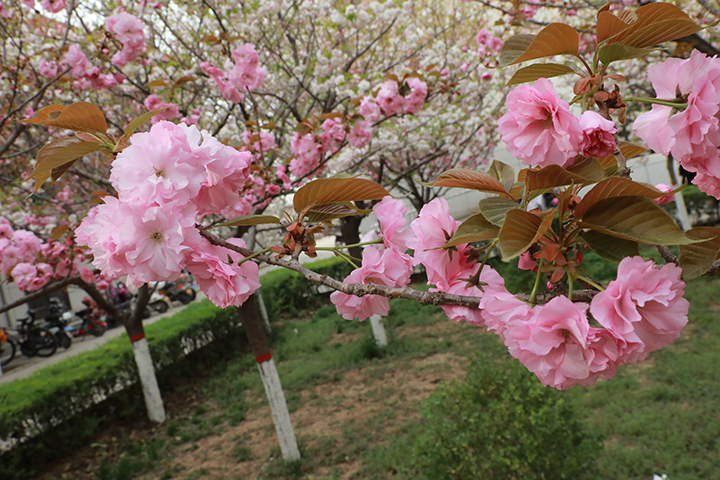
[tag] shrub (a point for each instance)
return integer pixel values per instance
(58, 408)
(501, 423)
(287, 293)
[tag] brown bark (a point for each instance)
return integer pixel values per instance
(254, 329)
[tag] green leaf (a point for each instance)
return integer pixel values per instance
(249, 220)
(132, 126)
(474, 229)
(555, 39)
(539, 70)
(610, 248)
(495, 208)
(331, 211)
(634, 217)
(697, 258)
(520, 231)
(615, 52)
(56, 154)
(503, 173)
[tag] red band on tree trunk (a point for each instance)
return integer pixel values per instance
(136, 338)
(263, 358)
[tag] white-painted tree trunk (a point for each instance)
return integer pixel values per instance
(148, 380)
(682, 211)
(278, 407)
(263, 311)
(378, 330)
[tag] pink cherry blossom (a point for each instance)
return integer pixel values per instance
(538, 127)
(433, 227)
(693, 134)
(389, 267)
(332, 135)
(224, 282)
(23, 274)
(389, 99)
(128, 30)
(553, 342)
(500, 309)
(47, 69)
(307, 154)
(370, 110)
(667, 198)
(416, 99)
(53, 6)
(360, 134)
(643, 308)
(391, 215)
(153, 102)
(76, 60)
(597, 136)
(493, 282)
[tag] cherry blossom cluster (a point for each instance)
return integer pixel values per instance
(31, 262)
(86, 76)
(643, 310)
(244, 76)
(128, 30)
(539, 128)
(691, 135)
(167, 180)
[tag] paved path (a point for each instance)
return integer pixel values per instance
(22, 366)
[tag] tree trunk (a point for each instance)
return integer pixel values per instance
(350, 234)
(378, 330)
(146, 371)
(271, 381)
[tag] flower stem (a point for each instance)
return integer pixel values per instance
(533, 294)
(373, 242)
(346, 257)
(265, 250)
(570, 285)
(590, 282)
(659, 101)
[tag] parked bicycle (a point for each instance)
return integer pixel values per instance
(32, 339)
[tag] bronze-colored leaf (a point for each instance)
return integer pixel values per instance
(82, 116)
(503, 173)
(610, 248)
(636, 218)
(608, 25)
(470, 179)
(588, 168)
(184, 79)
(495, 208)
(250, 220)
(56, 154)
(615, 187)
(58, 231)
(697, 258)
(643, 32)
(474, 229)
(336, 190)
(555, 39)
(518, 187)
(157, 83)
(661, 32)
(520, 231)
(514, 47)
(553, 176)
(539, 70)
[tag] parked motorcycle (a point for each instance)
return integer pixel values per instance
(93, 320)
(182, 289)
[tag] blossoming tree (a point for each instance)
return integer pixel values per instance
(176, 183)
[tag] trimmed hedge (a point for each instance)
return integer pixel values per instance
(288, 294)
(57, 408)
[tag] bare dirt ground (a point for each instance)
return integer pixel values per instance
(334, 420)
